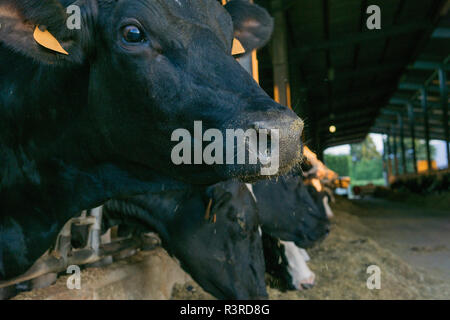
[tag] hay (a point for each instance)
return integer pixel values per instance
(341, 261)
(340, 265)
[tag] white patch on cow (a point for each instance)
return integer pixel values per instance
(305, 254)
(328, 210)
(179, 3)
(250, 188)
(297, 267)
(260, 230)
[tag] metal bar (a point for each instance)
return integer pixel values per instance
(413, 135)
(402, 143)
(417, 86)
(444, 101)
(394, 138)
(389, 149)
(280, 56)
(359, 37)
(51, 262)
(429, 65)
(441, 33)
(346, 74)
(427, 125)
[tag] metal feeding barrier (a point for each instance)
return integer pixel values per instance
(63, 255)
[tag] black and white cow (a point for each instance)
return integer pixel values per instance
(322, 199)
(200, 246)
(212, 232)
(79, 129)
(292, 219)
(287, 211)
(287, 264)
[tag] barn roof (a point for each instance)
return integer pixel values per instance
(356, 79)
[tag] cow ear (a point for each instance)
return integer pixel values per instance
(253, 26)
(46, 31)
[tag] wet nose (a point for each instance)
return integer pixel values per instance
(307, 286)
(307, 283)
(283, 134)
(289, 126)
(327, 230)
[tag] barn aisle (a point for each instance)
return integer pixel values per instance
(421, 236)
(402, 240)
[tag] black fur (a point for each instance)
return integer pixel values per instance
(78, 130)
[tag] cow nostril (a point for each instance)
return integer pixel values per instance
(307, 286)
(258, 126)
(264, 132)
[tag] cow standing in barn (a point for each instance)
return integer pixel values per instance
(93, 120)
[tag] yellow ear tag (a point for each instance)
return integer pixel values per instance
(237, 47)
(47, 40)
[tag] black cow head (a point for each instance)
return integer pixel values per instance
(287, 211)
(154, 66)
(213, 233)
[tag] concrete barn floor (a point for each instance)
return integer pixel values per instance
(420, 236)
(411, 245)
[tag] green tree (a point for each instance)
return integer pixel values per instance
(341, 164)
(367, 162)
(368, 169)
(365, 150)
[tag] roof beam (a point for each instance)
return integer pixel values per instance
(417, 86)
(441, 33)
(418, 128)
(344, 97)
(417, 111)
(345, 74)
(400, 101)
(347, 107)
(419, 125)
(392, 118)
(358, 37)
(429, 65)
(419, 134)
(369, 111)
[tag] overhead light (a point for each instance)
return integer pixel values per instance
(332, 129)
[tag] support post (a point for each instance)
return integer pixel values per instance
(427, 124)
(444, 100)
(394, 139)
(282, 90)
(389, 148)
(386, 159)
(402, 143)
(413, 134)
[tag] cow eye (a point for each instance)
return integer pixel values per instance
(132, 34)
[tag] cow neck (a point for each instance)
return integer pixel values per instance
(50, 142)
